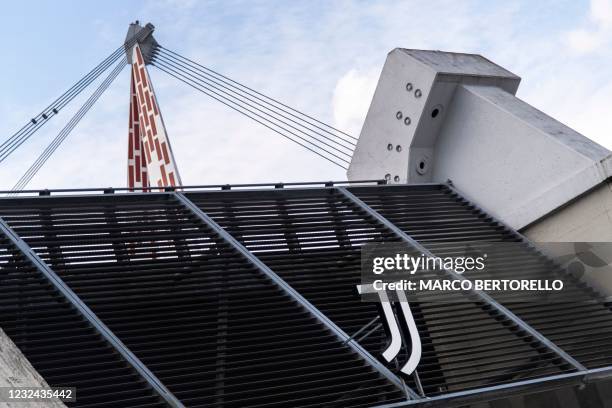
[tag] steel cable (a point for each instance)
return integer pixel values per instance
(264, 115)
(227, 88)
(341, 162)
(255, 93)
(17, 139)
(57, 141)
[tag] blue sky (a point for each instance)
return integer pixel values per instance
(322, 57)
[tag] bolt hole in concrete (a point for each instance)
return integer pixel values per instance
(418, 93)
(436, 111)
(396, 179)
(407, 121)
(389, 147)
(398, 148)
(387, 177)
(422, 166)
(399, 115)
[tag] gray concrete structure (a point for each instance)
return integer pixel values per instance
(588, 219)
(144, 37)
(449, 117)
(16, 371)
(439, 116)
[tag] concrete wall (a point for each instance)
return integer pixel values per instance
(16, 371)
(586, 219)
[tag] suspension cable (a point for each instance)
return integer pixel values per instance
(63, 134)
(339, 161)
(16, 140)
(279, 120)
(316, 136)
(234, 91)
(238, 84)
(13, 142)
(22, 135)
(340, 149)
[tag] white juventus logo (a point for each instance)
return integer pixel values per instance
(395, 343)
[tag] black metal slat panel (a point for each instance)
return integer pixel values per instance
(439, 218)
(208, 324)
(312, 239)
(60, 344)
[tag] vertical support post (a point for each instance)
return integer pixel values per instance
(56, 257)
(155, 144)
(291, 238)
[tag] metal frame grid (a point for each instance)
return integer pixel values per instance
(216, 297)
(63, 339)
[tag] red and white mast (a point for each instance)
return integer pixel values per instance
(150, 159)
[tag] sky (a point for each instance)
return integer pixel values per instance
(322, 57)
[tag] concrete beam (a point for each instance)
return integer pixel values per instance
(439, 116)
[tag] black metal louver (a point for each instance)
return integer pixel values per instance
(312, 238)
(60, 343)
(438, 216)
(204, 320)
(245, 298)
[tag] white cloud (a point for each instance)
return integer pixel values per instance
(601, 12)
(584, 41)
(597, 31)
(351, 100)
